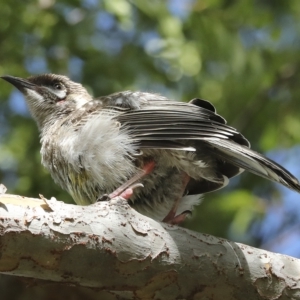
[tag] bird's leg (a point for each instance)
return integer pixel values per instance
(126, 189)
(171, 217)
(126, 194)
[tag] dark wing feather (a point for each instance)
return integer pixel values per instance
(158, 124)
(174, 124)
(255, 163)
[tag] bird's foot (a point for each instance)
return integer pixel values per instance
(171, 217)
(126, 190)
(126, 194)
(176, 220)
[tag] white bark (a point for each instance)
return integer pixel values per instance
(110, 246)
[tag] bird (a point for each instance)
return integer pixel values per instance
(159, 154)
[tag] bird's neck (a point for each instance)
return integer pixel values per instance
(50, 123)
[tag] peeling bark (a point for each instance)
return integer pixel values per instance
(111, 247)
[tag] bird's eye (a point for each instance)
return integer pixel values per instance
(58, 86)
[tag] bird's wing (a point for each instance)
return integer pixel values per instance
(159, 124)
(163, 121)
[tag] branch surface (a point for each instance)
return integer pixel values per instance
(111, 247)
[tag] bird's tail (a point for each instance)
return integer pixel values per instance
(253, 162)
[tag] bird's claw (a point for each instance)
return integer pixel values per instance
(104, 197)
(126, 194)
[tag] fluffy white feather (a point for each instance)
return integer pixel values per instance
(103, 149)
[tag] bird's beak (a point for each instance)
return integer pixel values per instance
(20, 83)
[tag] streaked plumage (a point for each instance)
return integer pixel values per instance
(92, 146)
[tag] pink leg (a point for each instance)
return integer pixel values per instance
(171, 217)
(126, 189)
(126, 194)
(179, 218)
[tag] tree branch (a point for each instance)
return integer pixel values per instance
(110, 246)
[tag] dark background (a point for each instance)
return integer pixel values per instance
(243, 56)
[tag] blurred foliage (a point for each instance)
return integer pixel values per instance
(243, 56)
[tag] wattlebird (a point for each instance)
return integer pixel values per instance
(159, 154)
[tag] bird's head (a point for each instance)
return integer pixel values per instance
(50, 96)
